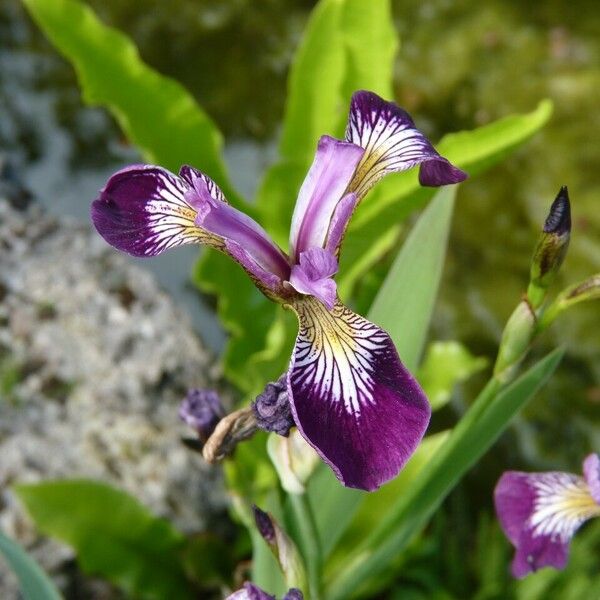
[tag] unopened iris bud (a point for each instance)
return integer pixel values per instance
(551, 248)
(202, 410)
(283, 548)
(516, 339)
(294, 460)
(589, 289)
(272, 408)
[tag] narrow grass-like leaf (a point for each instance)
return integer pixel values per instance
(405, 301)
(113, 535)
(470, 439)
(156, 113)
(34, 583)
(349, 514)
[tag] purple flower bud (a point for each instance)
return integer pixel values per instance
(551, 248)
(264, 524)
(272, 408)
(202, 410)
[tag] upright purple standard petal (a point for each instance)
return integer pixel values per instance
(322, 190)
(392, 143)
(591, 472)
(540, 513)
(352, 398)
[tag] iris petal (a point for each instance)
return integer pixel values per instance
(332, 169)
(351, 397)
(142, 210)
(145, 210)
(392, 143)
(540, 513)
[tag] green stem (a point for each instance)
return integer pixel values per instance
(309, 541)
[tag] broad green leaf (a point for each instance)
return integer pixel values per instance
(405, 301)
(399, 194)
(467, 443)
(34, 583)
(113, 535)
(314, 83)
(445, 365)
(156, 113)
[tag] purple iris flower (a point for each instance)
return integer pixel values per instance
(351, 397)
(540, 513)
(253, 592)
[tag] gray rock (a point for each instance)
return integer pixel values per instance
(94, 360)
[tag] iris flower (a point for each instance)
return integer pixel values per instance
(351, 397)
(540, 513)
(253, 592)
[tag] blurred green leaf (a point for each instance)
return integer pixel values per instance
(34, 583)
(399, 194)
(405, 301)
(445, 365)
(156, 113)
(467, 443)
(113, 535)
(314, 83)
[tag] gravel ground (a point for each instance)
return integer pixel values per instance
(94, 360)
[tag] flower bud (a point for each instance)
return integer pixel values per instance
(551, 248)
(272, 408)
(294, 460)
(283, 548)
(202, 410)
(589, 289)
(516, 338)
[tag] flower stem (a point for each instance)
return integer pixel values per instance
(309, 541)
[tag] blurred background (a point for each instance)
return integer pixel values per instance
(461, 64)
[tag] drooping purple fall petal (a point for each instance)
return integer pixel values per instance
(332, 169)
(145, 210)
(392, 143)
(540, 513)
(351, 397)
(313, 275)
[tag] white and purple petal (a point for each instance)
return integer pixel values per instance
(351, 397)
(392, 143)
(145, 210)
(332, 170)
(313, 275)
(591, 472)
(540, 513)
